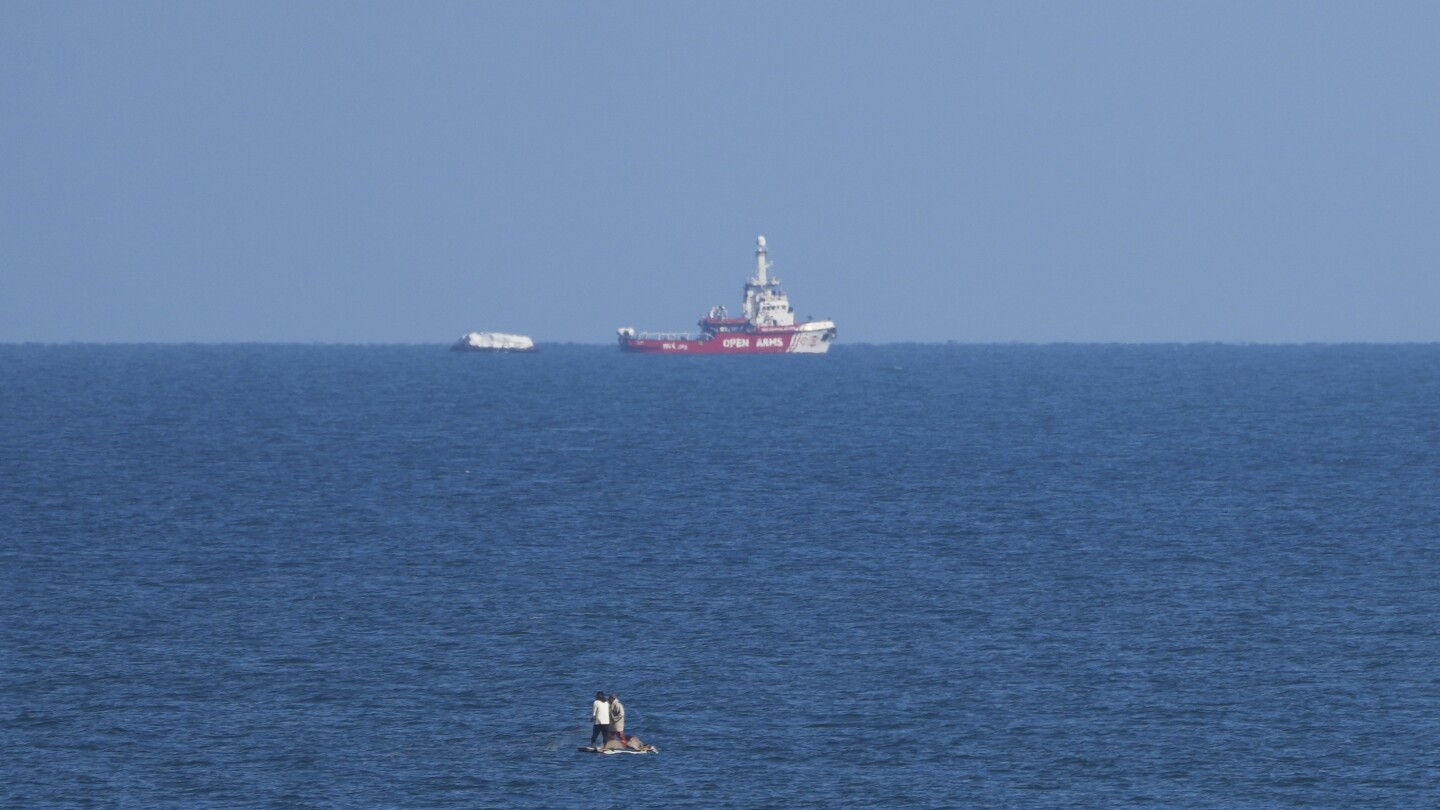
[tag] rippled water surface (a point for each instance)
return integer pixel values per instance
(923, 576)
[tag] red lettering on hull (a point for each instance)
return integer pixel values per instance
(750, 344)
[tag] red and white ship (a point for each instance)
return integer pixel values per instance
(767, 327)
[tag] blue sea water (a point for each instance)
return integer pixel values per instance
(923, 576)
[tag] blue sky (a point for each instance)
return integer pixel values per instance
(406, 172)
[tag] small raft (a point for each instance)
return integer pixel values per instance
(632, 745)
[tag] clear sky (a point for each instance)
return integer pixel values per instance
(978, 172)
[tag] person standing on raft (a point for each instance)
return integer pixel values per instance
(600, 718)
(617, 717)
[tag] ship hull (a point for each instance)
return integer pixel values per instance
(787, 341)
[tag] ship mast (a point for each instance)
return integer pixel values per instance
(756, 288)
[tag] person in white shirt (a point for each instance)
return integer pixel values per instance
(600, 717)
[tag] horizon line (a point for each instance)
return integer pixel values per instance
(853, 344)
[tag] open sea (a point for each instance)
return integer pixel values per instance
(924, 576)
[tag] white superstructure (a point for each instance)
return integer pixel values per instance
(765, 303)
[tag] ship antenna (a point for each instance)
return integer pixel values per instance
(762, 264)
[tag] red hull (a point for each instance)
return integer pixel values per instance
(780, 341)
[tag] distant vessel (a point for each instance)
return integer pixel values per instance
(767, 327)
(493, 342)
